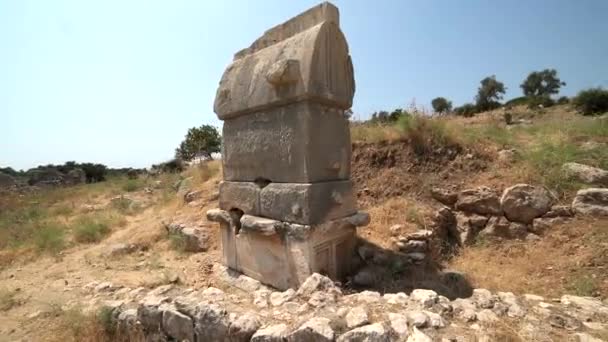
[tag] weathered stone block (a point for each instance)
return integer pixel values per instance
(308, 203)
(305, 58)
(297, 143)
(240, 195)
(282, 254)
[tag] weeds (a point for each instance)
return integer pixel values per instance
(90, 230)
(50, 238)
(132, 185)
(584, 286)
(178, 242)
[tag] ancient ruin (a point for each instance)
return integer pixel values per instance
(287, 206)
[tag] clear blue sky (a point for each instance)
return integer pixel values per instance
(120, 82)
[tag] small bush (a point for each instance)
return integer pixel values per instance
(563, 100)
(131, 185)
(467, 110)
(425, 134)
(88, 230)
(178, 242)
(105, 320)
(592, 101)
(540, 102)
(50, 238)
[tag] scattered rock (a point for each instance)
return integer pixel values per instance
(368, 333)
(542, 224)
(444, 196)
(243, 327)
(482, 200)
(507, 156)
(559, 211)
(278, 298)
(177, 325)
(121, 249)
(317, 282)
(192, 196)
(418, 336)
(523, 202)
(426, 298)
(356, 317)
(315, 329)
(586, 174)
(399, 298)
(273, 333)
(592, 201)
(417, 319)
(211, 322)
(398, 324)
(396, 229)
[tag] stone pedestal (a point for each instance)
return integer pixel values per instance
(287, 206)
(283, 254)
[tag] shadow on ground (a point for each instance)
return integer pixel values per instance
(387, 271)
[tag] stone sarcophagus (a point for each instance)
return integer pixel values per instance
(287, 206)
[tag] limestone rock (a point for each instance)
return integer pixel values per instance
(195, 240)
(260, 298)
(523, 202)
(278, 298)
(149, 314)
(356, 317)
(273, 333)
(398, 324)
(315, 329)
(417, 319)
(559, 211)
(589, 304)
(592, 201)
(211, 322)
(368, 333)
(316, 282)
(444, 196)
(177, 325)
(192, 196)
(418, 336)
(482, 201)
(399, 298)
(586, 174)
(396, 229)
(243, 327)
(426, 298)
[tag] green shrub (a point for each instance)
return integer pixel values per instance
(518, 101)
(50, 238)
(466, 110)
(131, 185)
(425, 134)
(540, 101)
(563, 100)
(592, 101)
(178, 242)
(89, 230)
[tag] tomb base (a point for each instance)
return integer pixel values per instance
(282, 254)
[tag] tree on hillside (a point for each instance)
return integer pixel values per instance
(441, 105)
(542, 83)
(489, 93)
(203, 140)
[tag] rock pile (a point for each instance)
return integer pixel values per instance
(319, 311)
(522, 212)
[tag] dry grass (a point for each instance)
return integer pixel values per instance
(395, 211)
(568, 260)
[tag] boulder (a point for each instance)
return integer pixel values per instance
(356, 317)
(315, 329)
(426, 298)
(592, 201)
(586, 174)
(368, 333)
(177, 325)
(242, 327)
(523, 202)
(398, 324)
(418, 336)
(273, 333)
(559, 211)
(211, 322)
(314, 283)
(444, 196)
(481, 200)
